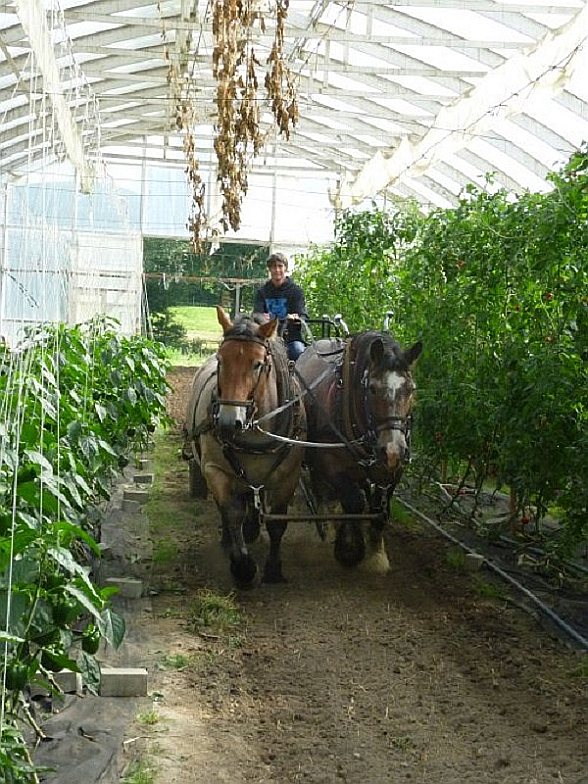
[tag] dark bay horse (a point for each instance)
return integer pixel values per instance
(249, 476)
(358, 395)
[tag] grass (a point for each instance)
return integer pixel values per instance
(455, 558)
(140, 772)
(403, 517)
(488, 590)
(174, 661)
(214, 611)
(148, 718)
(198, 321)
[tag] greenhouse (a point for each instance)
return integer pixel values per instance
(421, 171)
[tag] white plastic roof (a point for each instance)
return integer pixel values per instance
(413, 99)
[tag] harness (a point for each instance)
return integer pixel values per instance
(289, 416)
(359, 423)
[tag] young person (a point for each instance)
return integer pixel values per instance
(283, 299)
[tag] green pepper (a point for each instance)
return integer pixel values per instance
(64, 611)
(17, 675)
(50, 660)
(91, 639)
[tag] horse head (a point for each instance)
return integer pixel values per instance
(388, 399)
(246, 385)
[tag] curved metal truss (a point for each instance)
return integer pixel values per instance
(412, 98)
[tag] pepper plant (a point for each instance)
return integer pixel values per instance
(78, 403)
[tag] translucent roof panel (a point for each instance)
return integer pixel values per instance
(417, 98)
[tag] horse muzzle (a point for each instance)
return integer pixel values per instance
(230, 416)
(396, 452)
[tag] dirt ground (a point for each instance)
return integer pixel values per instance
(350, 676)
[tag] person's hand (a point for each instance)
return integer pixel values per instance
(293, 317)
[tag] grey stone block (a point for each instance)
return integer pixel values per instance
(143, 479)
(473, 562)
(128, 587)
(134, 494)
(123, 682)
(68, 681)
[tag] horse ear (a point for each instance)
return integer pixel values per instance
(223, 319)
(377, 350)
(268, 329)
(412, 354)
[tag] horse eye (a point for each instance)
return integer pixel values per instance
(258, 365)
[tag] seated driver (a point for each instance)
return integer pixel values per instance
(283, 299)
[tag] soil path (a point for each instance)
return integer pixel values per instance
(349, 676)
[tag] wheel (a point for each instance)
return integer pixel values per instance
(198, 488)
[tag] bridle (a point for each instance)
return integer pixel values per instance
(376, 426)
(250, 404)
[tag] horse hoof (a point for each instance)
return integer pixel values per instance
(349, 547)
(244, 572)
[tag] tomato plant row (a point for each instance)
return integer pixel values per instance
(78, 403)
(497, 289)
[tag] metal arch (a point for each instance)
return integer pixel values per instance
(124, 61)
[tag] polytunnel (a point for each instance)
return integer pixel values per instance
(106, 107)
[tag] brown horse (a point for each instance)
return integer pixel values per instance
(249, 475)
(358, 396)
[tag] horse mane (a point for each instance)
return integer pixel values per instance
(394, 358)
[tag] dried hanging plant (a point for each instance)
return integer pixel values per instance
(278, 81)
(238, 136)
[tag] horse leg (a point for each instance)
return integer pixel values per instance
(377, 557)
(349, 541)
(272, 572)
(251, 523)
(243, 566)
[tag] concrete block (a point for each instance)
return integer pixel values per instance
(134, 494)
(473, 562)
(128, 587)
(123, 682)
(68, 681)
(143, 479)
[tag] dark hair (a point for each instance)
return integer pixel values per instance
(279, 257)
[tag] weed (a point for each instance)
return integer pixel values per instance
(213, 610)
(401, 742)
(401, 515)
(174, 661)
(488, 590)
(148, 718)
(140, 772)
(164, 552)
(455, 558)
(581, 669)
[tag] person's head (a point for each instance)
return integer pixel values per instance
(277, 265)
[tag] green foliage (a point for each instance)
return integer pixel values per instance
(176, 258)
(78, 402)
(364, 256)
(496, 289)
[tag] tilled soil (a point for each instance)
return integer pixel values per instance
(353, 676)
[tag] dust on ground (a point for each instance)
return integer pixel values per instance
(421, 674)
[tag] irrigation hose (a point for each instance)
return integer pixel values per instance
(580, 639)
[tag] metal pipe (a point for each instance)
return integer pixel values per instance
(580, 639)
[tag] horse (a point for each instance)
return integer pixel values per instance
(249, 379)
(358, 395)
